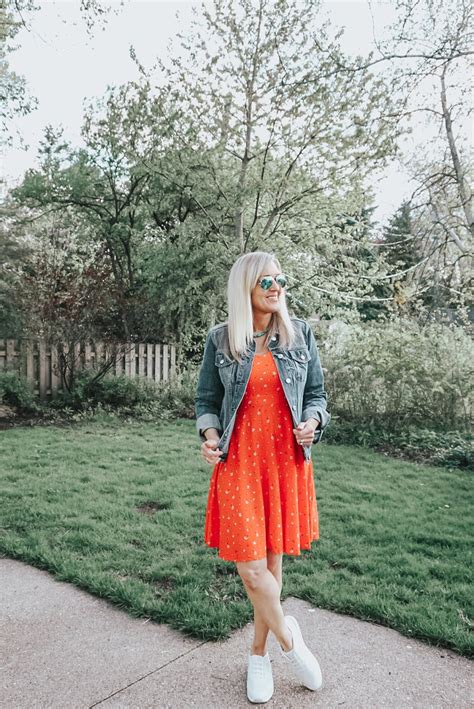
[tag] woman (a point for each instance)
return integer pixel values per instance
(260, 404)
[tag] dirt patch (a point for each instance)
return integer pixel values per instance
(163, 586)
(14, 418)
(152, 506)
(136, 543)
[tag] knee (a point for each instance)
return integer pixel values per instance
(252, 574)
(275, 565)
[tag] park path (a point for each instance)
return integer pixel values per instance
(63, 648)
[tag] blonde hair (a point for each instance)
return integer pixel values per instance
(243, 277)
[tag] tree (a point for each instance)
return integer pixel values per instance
(14, 252)
(402, 253)
(271, 96)
(15, 97)
(287, 130)
(122, 207)
(14, 14)
(103, 186)
(429, 49)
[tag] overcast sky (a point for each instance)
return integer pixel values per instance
(63, 66)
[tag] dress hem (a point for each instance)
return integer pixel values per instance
(287, 553)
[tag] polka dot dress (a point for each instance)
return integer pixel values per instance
(262, 497)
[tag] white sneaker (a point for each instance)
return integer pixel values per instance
(259, 679)
(302, 661)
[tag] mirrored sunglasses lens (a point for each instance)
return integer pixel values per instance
(266, 283)
(281, 280)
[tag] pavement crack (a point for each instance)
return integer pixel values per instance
(152, 672)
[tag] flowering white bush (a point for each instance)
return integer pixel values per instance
(399, 373)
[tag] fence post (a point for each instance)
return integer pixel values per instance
(54, 371)
(99, 354)
(141, 360)
(130, 361)
(42, 368)
(77, 356)
(118, 360)
(87, 356)
(173, 361)
(157, 363)
(165, 363)
(149, 361)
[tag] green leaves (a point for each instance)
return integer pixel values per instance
(399, 374)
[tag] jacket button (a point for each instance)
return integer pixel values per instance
(288, 380)
(279, 356)
(221, 361)
(294, 407)
(302, 356)
(273, 338)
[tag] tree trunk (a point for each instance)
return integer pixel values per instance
(239, 215)
(466, 201)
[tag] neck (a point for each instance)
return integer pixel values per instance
(261, 321)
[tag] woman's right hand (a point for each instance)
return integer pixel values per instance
(210, 452)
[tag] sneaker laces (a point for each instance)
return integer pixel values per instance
(259, 667)
(296, 659)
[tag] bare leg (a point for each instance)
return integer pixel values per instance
(261, 629)
(263, 589)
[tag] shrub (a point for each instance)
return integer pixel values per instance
(113, 391)
(141, 397)
(14, 391)
(399, 374)
(177, 397)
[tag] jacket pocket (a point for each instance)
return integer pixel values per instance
(298, 360)
(300, 355)
(225, 367)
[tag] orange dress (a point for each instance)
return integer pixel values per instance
(262, 497)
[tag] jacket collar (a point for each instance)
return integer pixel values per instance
(273, 344)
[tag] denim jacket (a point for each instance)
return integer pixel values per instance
(222, 383)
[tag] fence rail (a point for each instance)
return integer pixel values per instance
(45, 365)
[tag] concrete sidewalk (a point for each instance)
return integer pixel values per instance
(62, 647)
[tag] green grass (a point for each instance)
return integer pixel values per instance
(394, 544)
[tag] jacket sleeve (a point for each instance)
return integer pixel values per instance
(210, 391)
(314, 396)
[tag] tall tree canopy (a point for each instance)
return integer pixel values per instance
(260, 132)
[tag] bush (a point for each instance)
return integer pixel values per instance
(110, 391)
(14, 391)
(141, 397)
(399, 375)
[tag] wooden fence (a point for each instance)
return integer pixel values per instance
(46, 366)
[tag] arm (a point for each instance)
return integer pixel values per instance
(209, 394)
(314, 397)
(210, 433)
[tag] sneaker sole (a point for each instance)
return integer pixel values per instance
(260, 701)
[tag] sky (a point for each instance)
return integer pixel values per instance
(64, 67)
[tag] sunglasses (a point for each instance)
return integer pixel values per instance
(267, 281)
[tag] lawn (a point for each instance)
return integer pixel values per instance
(118, 509)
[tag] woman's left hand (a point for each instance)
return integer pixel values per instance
(304, 432)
